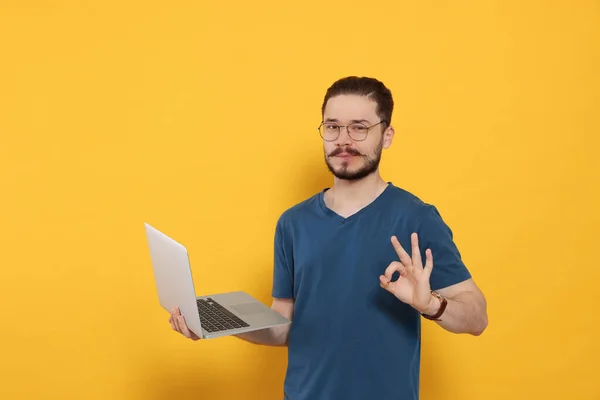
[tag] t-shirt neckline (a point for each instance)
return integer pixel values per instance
(330, 213)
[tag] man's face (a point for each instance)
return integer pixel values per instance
(346, 158)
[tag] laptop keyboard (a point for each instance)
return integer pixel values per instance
(215, 318)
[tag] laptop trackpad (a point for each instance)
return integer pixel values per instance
(248, 308)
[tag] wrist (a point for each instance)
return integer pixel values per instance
(437, 306)
(433, 306)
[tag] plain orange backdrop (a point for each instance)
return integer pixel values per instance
(201, 117)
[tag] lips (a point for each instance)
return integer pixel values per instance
(344, 154)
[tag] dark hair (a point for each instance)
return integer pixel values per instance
(364, 86)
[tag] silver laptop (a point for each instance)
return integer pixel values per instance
(208, 316)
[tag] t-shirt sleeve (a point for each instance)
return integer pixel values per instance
(435, 234)
(283, 268)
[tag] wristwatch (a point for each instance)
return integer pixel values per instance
(438, 314)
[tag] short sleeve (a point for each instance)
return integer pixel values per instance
(283, 267)
(435, 234)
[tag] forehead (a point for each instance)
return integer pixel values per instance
(350, 107)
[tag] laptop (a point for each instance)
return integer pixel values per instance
(208, 316)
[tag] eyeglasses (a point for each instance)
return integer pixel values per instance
(357, 131)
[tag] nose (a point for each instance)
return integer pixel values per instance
(344, 138)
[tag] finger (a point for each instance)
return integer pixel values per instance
(393, 267)
(184, 328)
(428, 262)
(404, 257)
(174, 324)
(416, 253)
(174, 314)
(180, 324)
(384, 282)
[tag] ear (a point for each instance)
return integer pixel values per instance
(388, 136)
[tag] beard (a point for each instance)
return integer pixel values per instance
(370, 164)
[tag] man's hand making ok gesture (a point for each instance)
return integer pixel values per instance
(412, 287)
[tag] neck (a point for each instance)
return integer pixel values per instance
(347, 197)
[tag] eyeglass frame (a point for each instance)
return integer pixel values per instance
(339, 128)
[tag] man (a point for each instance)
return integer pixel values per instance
(355, 331)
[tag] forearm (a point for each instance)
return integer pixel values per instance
(465, 313)
(275, 336)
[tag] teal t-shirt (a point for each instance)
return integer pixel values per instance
(350, 339)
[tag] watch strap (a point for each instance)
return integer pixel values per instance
(443, 304)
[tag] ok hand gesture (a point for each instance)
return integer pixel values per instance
(412, 287)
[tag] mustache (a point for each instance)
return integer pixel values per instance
(340, 150)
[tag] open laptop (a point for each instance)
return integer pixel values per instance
(208, 316)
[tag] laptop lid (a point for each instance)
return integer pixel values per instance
(173, 276)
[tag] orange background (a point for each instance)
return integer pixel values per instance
(201, 117)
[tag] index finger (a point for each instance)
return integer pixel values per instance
(404, 257)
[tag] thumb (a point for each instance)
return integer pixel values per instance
(385, 283)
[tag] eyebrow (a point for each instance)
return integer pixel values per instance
(352, 121)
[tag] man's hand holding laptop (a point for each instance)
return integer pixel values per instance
(178, 324)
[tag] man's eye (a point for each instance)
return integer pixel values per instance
(331, 126)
